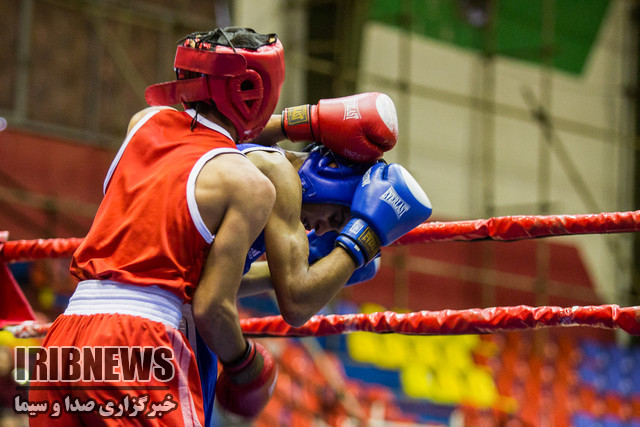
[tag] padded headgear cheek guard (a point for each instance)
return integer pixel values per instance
(244, 84)
(328, 178)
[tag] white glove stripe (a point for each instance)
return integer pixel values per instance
(387, 111)
(415, 188)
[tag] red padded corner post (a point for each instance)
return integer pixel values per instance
(14, 307)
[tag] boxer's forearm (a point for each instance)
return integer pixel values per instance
(272, 133)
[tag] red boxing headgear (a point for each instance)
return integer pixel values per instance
(243, 79)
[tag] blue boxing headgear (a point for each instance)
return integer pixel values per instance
(328, 178)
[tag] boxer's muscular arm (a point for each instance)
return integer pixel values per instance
(301, 290)
(272, 132)
(235, 200)
(258, 279)
(225, 193)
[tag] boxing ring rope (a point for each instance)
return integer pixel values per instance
(506, 228)
(451, 322)
(27, 250)
(444, 322)
(509, 228)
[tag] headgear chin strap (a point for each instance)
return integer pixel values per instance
(243, 82)
(328, 178)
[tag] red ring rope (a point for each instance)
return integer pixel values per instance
(497, 228)
(452, 322)
(523, 227)
(23, 250)
(444, 322)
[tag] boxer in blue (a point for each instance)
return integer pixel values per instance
(351, 209)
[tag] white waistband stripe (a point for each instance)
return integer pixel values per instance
(108, 297)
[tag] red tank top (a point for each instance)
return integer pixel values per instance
(148, 230)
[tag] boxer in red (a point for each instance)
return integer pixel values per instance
(182, 207)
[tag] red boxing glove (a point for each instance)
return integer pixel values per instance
(245, 387)
(358, 127)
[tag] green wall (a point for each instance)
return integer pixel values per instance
(517, 27)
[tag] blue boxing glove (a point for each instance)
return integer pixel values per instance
(388, 204)
(321, 246)
(366, 272)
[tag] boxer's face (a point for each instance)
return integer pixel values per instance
(324, 217)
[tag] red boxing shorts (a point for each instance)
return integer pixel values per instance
(116, 357)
